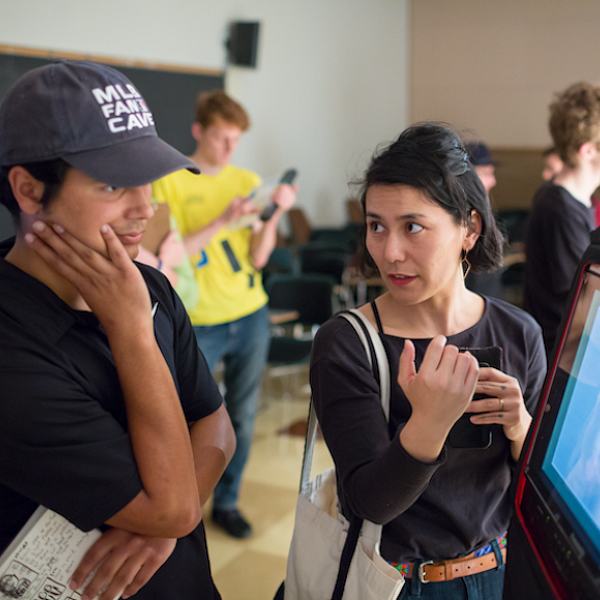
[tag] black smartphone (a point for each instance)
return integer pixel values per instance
(288, 177)
(465, 434)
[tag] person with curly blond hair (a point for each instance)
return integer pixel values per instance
(562, 215)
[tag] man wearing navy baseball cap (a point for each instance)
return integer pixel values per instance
(109, 414)
(481, 159)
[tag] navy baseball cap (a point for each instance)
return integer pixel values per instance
(479, 154)
(92, 117)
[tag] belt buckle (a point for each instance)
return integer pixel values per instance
(421, 571)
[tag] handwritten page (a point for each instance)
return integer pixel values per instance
(40, 561)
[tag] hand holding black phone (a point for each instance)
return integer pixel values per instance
(465, 434)
(288, 177)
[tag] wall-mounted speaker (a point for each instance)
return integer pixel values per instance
(242, 43)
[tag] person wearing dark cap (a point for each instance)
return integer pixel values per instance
(481, 159)
(552, 164)
(109, 414)
(479, 155)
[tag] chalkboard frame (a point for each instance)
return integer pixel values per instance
(169, 90)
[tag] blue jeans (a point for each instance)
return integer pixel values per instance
(483, 586)
(243, 346)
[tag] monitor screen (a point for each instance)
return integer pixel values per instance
(560, 506)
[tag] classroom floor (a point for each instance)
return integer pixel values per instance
(253, 569)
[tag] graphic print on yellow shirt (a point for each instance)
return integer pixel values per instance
(229, 286)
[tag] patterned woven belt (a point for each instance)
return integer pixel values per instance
(482, 559)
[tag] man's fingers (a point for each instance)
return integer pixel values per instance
(92, 557)
(54, 251)
(115, 249)
(117, 571)
(141, 578)
(63, 252)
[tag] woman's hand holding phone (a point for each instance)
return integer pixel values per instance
(503, 404)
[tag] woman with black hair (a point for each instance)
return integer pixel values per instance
(445, 505)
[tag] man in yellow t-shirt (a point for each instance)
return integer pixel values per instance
(230, 318)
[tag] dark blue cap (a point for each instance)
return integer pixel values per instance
(92, 117)
(479, 154)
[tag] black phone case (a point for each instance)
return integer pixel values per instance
(465, 434)
(287, 177)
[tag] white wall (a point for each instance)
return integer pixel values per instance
(494, 65)
(331, 81)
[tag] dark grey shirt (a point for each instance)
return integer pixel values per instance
(431, 511)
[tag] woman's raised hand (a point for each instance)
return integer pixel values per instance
(438, 394)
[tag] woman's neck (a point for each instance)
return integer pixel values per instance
(440, 316)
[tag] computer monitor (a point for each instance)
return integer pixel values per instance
(558, 498)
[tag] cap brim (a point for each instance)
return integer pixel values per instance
(131, 163)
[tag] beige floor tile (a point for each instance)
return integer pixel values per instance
(252, 576)
(275, 460)
(223, 550)
(276, 540)
(265, 505)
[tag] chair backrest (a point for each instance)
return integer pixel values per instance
(309, 294)
(355, 211)
(323, 259)
(282, 260)
(513, 223)
(299, 225)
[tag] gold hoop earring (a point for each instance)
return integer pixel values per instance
(464, 261)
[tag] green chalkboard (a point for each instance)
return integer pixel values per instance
(170, 94)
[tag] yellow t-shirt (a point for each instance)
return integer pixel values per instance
(229, 286)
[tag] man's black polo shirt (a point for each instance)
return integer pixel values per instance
(63, 427)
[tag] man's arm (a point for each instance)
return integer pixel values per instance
(127, 560)
(114, 289)
(213, 444)
(264, 236)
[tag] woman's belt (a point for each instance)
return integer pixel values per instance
(480, 560)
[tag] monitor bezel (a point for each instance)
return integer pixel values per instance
(534, 481)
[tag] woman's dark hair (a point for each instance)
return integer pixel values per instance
(51, 173)
(432, 158)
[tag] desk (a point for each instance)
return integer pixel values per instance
(513, 258)
(351, 279)
(279, 316)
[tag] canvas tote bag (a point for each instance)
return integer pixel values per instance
(331, 558)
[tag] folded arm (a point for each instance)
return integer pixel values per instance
(128, 560)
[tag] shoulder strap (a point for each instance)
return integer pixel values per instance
(373, 345)
(383, 367)
(376, 315)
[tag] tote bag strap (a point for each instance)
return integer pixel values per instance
(381, 369)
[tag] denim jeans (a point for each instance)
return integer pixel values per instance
(243, 346)
(483, 586)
